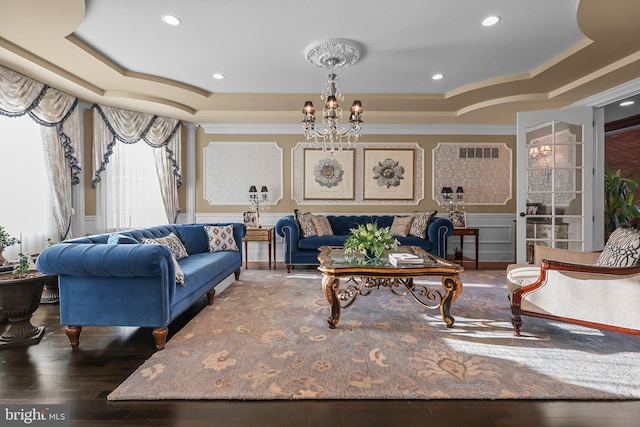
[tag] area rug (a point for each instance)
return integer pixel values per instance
(267, 337)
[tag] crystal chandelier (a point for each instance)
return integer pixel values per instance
(331, 54)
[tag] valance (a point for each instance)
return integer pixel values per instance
(130, 127)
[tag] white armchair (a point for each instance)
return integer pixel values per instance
(569, 286)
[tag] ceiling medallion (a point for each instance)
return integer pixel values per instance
(332, 54)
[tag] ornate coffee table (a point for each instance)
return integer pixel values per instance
(361, 278)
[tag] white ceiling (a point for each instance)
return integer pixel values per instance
(259, 45)
(544, 54)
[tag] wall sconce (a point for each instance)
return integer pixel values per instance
(256, 199)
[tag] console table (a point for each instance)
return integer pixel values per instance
(468, 232)
(261, 234)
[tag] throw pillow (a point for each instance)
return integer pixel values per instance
(220, 238)
(116, 238)
(420, 223)
(179, 272)
(305, 223)
(401, 225)
(622, 248)
(321, 225)
(172, 242)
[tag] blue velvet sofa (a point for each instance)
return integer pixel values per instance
(133, 284)
(304, 251)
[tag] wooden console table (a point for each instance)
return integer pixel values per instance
(262, 234)
(467, 232)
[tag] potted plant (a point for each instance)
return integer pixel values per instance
(619, 207)
(20, 292)
(370, 241)
(5, 241)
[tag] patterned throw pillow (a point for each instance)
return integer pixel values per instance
(401, 225)
(322, 225)
(304, 222)
(622, 248)
(172, 242)
(420, 223)
(220, 238)
(115, 239)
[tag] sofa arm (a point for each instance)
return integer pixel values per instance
(288, 228)
(437, 233)
(102, 260)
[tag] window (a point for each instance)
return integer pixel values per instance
(129, 193)
(25, 212)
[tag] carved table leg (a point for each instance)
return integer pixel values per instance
(73, 333)
(330, 285)
(160, 336)
(453, 286)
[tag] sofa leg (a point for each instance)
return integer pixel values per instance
(210, 295)
(237, 273)
(160, 337)
(73, 333)
(289, 268)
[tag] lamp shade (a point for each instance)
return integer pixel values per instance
(264, 189)
(459, 190)
(253, 189)
(308, 108)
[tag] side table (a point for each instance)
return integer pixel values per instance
(262, 234)
(468, 232)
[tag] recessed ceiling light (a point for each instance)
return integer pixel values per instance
(171, 20)
(627, 103)
(218, 76)
(437, 76)
(490, 20)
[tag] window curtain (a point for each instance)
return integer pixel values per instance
(57, 114)
(113, 125)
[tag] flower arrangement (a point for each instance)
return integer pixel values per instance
(370, 240)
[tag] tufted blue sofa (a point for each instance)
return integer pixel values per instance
(304, 251)
(135, 284)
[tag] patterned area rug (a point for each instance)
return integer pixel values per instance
(266, 337)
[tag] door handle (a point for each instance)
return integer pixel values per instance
(522, 214)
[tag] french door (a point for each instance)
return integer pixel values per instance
(555, 180)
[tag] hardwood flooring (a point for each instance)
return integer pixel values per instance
(51, 373)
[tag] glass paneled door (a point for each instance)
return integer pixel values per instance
(555, 180)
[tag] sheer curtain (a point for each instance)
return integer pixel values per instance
(116, 131)
(25, 209)
(58, 117)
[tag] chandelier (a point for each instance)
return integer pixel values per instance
(329, 135)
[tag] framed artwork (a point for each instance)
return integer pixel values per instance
(328, 176)
(251, 219)
(388, 174)
(458, 218)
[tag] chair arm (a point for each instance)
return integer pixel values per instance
(548, 264)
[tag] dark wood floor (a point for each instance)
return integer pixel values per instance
(51, 373)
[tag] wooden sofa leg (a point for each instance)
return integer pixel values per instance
(289, 268)
(516, 321)
(73, 333)
(210, 295)
(237, 273)
(160, 337)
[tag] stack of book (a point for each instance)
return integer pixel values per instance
(403, 258)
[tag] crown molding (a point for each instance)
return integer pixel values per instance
(371, 129)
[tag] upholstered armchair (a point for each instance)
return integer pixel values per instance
(594, 289)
